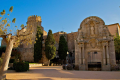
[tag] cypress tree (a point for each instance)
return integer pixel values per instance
(63, 48)
(50, 49)
(38, 45)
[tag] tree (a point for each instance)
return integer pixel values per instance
(38, 45)
(50, 49)
(11, 40)
(63, 48)
(117, 46)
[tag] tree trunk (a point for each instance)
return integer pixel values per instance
(6, 60)
(48, 62)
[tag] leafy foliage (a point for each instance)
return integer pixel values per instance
(50, 49)
(22, 26)
(16, 54)
(2, 49)
(117, 46)
(5, 29)
(11, 9)
(14, 19)
(5, 23)
(38, 45)
(8, 24)
(63, 48)
(3, 12)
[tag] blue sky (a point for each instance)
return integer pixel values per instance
(62, 15)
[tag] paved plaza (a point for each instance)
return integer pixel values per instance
(56, 73)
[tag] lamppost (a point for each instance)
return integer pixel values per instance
(67, 56)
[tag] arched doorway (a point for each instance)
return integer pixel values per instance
(94, 61)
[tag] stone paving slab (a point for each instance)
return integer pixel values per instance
(56, 73)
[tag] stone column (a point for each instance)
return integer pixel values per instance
(76, 53)
(80, 57)
(112, 52)
(107, 53)
(83, 55)
(104, 62)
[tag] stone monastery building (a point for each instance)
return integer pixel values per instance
(92, 44)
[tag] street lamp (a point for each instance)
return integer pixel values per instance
(67, 56)
(67, 52)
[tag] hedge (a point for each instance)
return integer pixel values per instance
(21, 66)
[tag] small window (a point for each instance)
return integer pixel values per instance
(95, 52)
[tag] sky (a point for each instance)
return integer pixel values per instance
(62, 15)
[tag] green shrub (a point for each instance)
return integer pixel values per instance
(21, 66)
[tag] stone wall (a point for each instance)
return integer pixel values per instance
(114, 29)
(27, 54)
(58, 34)
(3, 43)
(44, 33)
(70, 41)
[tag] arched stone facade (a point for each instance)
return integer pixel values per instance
(94, 44)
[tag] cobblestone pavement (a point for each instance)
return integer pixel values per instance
(56, 73)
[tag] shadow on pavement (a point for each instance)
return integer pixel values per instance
(47, 73)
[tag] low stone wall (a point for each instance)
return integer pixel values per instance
(34, 65)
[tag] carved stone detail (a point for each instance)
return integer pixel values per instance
(93, 43)
(92, 26)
